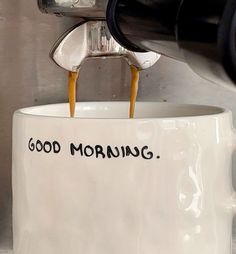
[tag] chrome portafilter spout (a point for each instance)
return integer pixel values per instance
(92, 39)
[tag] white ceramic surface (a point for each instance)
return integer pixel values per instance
(169, 191)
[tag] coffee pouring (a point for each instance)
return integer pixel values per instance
(200, 33)
(92, 39)
(100, 183)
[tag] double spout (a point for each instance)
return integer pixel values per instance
(92, 39)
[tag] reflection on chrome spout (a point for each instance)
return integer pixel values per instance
(75, 8)
(91, 40)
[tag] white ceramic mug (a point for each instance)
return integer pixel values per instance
(102, 183)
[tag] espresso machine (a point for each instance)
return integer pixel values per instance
(200, 33)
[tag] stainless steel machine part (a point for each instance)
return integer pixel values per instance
(93, 40)
(200, 33)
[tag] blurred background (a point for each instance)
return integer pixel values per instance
(28, 77)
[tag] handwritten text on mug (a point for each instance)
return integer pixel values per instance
(95, 151)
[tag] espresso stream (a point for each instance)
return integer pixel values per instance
(72, 81)
(133, 90)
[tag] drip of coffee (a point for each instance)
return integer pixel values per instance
(133, 89)
(72, 85)
(72, 81)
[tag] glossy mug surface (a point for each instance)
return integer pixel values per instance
(102, 183)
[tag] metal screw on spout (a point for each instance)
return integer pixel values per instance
(92, 39)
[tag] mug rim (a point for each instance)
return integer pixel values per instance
(210, 110)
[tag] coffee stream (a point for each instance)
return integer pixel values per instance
(133, 89)
(72, 81)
